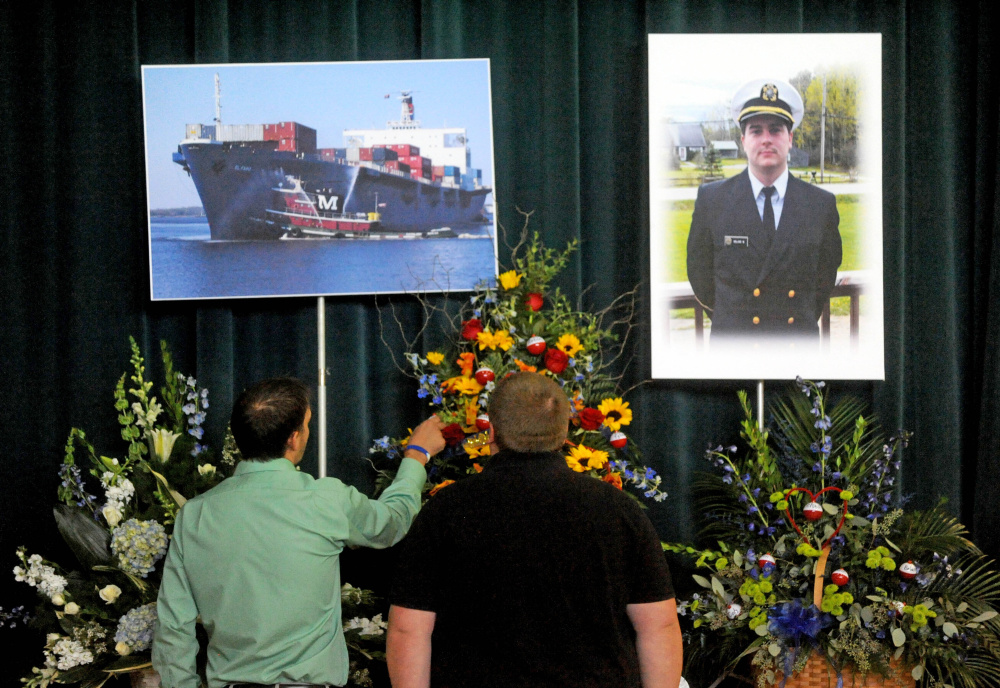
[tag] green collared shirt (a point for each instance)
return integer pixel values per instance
(256, 558)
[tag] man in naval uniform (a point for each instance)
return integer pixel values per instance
(764, 247)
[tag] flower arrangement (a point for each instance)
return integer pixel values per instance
(99, 615)
(522, 325)
(816, 556)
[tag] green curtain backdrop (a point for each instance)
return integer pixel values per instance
(569, 110)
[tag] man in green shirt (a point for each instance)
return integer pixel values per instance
(255, 559)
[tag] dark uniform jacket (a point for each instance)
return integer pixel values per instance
(756, 282)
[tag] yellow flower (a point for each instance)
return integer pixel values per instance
(510, 279)
(616, 413)
(492, 340)
(583, 458)
(434, 357)
(474, 451)
(462, 384)
(569, 344)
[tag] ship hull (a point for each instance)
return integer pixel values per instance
(238, 184)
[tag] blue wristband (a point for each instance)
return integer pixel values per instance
(418, 448)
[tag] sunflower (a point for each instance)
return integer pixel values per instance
(510, 279)
(569, 344)
(582, 459)
(616, 413)
(435, 357)
(500, 338)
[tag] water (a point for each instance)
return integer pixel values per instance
(187, 264)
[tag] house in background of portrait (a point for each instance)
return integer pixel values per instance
(686, 140)
(726, 149)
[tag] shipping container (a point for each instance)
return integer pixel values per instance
(396, 165)
(405, 149)
(380, 153)
(365, 153)
(199, 131)
(241, 132)
(353, 154)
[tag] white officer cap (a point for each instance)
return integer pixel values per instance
(767, 97)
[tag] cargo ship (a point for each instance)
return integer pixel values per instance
(270, 181)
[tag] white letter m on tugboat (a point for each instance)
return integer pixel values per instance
(326, 203)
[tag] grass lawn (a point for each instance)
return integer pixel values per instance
(678, 224)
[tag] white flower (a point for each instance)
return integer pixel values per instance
(112, 515)
(58, 600)
(70, 653)
(123, 649)
(51, 638)
(110, 593)
(206, 469)
(163, 443)
(72, 608)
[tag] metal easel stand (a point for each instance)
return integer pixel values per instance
(760, 405)
(321, 386)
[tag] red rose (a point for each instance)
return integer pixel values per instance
(591, 418)
(534, 300)
(556, 360)
(471, 329)
(453, 434)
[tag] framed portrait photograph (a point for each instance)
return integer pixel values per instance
(269, 180)
(766, 206)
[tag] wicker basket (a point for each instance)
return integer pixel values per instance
(817, 673)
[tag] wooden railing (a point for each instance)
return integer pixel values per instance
(850, 283)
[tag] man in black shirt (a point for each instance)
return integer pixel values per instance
(529, 574)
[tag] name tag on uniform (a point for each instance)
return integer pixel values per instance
(737, 241)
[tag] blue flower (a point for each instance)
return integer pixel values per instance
(437, 399)
(796, 623)
(422, 393)
(135, 629)
(432, 379)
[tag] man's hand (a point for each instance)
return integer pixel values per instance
(427, 435)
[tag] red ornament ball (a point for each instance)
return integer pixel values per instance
(484, 375)
(813, 511)
(733, 610)
(536, 345)
(908, 570)
(618, 440)
(766, 559)
(840, 577)
(483, 421)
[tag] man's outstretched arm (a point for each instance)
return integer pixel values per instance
(408, 647)
(658, 643)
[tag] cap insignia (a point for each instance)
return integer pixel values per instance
(769, 93)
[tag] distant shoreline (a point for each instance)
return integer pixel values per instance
(191, 211)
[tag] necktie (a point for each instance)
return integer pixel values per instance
(768, 210)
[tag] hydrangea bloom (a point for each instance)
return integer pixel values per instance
(135, 629)
(139, 545)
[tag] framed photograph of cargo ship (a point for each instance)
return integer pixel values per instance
(765, 200)
(315, 179)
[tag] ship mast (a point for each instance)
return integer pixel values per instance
(218, 103)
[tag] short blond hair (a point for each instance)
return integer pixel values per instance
(529, 413)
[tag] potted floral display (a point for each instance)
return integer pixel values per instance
(818, 575)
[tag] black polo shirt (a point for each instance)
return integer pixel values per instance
(529, 568)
